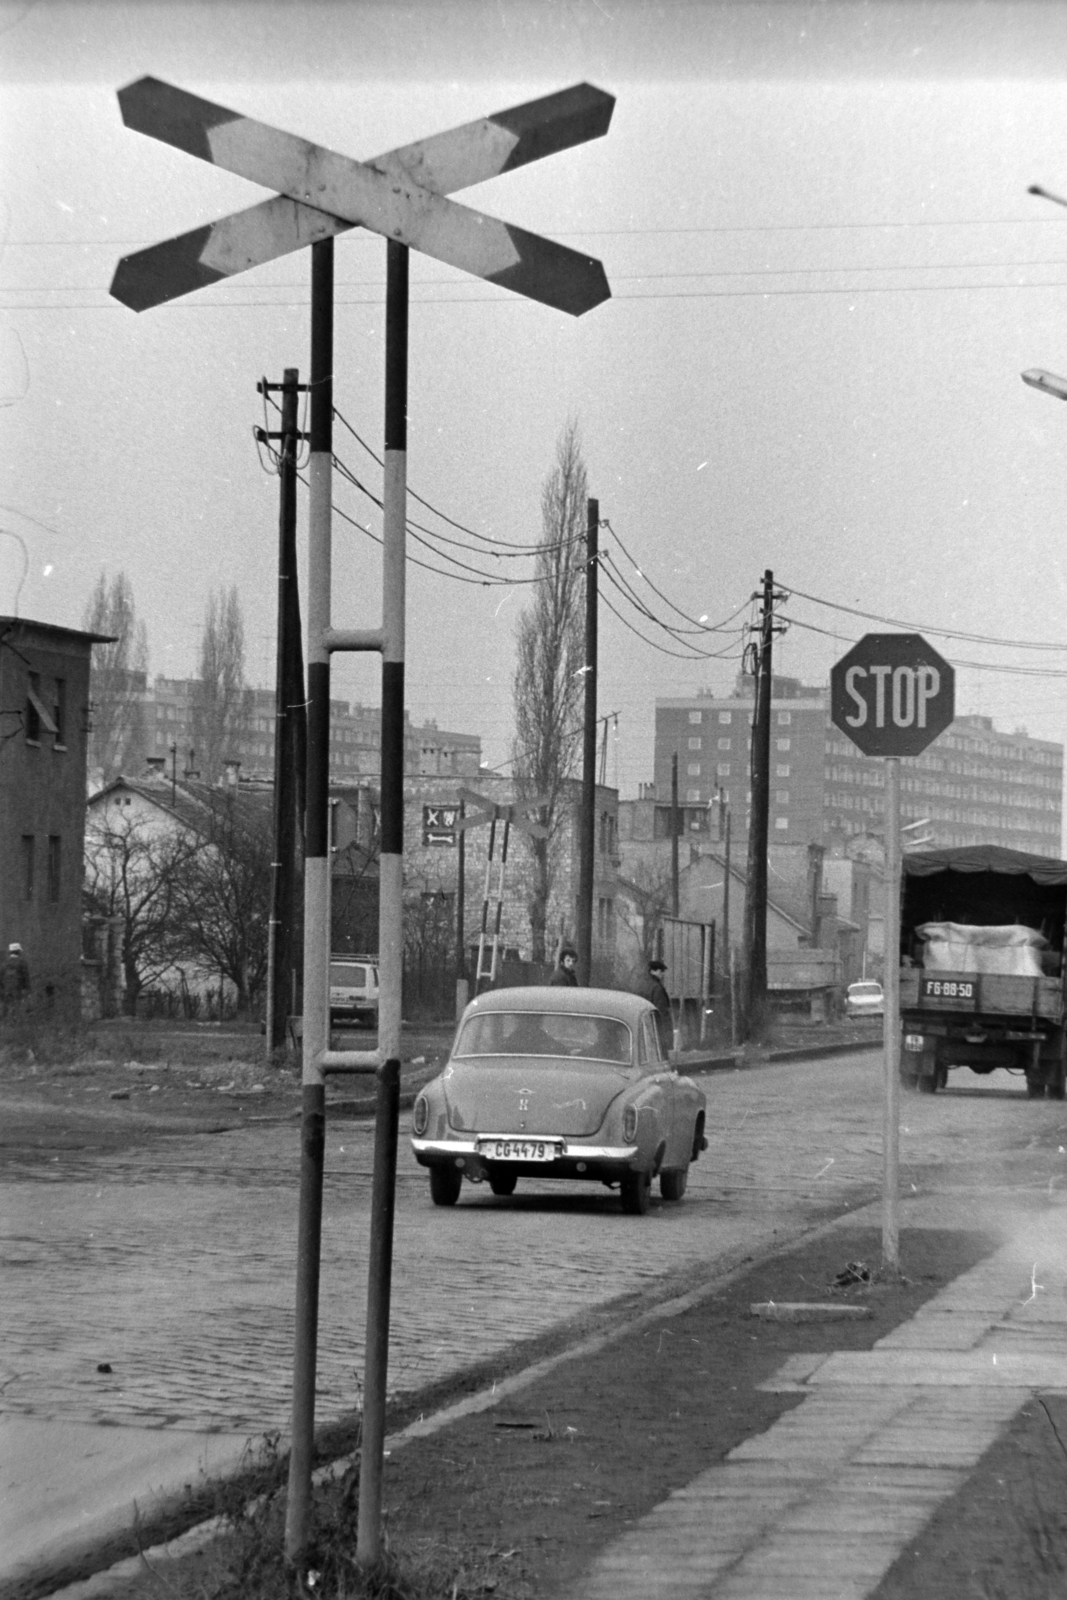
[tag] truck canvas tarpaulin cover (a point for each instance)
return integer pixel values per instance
(982, 966)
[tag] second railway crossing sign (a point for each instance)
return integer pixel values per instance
(400, 194)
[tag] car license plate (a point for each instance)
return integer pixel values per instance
(947, 989)
(517, 1150)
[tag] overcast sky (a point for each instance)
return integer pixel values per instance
(827, 276)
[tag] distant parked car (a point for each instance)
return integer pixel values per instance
(354, 989)
(559, 1083)
(864, 1000)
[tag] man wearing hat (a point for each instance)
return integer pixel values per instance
(565, 977)
(662, 1002)
(14, 980)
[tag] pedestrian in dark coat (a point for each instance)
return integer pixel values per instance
(565, 976)
(14, 980)
(662, 1002)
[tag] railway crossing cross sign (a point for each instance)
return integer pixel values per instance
(400, 194)
(892, 694)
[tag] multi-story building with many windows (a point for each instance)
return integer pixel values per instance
(355, 737)
(973, 785)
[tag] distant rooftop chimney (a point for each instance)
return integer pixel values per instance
(156, 766)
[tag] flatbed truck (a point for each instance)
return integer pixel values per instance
(966, 1013)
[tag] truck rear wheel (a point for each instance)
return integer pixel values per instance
(1035, 1088)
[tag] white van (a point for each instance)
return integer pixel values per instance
(354, 989)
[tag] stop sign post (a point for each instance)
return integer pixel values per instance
(892, 694)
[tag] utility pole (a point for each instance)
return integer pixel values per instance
(674, 833)
(461, 913)
(288, 710)
(724, 840)
(755, 932)
(587, 832)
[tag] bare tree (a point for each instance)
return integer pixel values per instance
(550, 650)
(644, 900)
(219, 699)
(118, 678)
(222, 911)
(132, 877)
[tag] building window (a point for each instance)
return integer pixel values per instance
(55, 862)
(781, 823)
(781, 771)
(692, 794)
(694, 743)
(33, 715)
(724, 744)
(782, 744)
(723, 769)
(29, 864)
(59, 712)
(725, 717)
(781, 797)
(605, 911)
(696, 716)
(693, 769)
(784, 718)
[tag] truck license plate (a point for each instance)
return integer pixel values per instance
(517, 1150)
(947, 989)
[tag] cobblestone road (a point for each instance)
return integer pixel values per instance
(175, 1266)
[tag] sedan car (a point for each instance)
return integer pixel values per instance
(559, 1083)
(864, 1000)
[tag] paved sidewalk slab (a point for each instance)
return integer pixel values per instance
(90, 1482)
(819, 1506)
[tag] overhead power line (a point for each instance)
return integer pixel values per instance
(929, 627)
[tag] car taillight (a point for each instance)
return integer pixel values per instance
(421, 1115)
(629, 1124)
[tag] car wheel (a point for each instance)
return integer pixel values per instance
(635, 1190)
(445, 1184)
(502, 1181)
(673, 1184)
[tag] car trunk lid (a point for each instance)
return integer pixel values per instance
(515, 1094)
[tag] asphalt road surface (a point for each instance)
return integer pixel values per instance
(154, 1287)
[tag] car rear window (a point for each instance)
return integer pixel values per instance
(545, 1033)
(865, 988)
(346, 977)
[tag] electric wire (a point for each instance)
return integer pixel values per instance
(978, 666)
(928, 627)
(485, 538)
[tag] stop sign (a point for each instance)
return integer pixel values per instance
(892, 694)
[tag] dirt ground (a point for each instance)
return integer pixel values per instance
(117, 1083)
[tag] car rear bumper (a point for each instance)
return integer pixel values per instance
(607, 1163)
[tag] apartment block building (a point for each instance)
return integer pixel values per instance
(973, 785)
(355, 737)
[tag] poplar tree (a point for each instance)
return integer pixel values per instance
(550, 649)
(118, 679)
(219, 710)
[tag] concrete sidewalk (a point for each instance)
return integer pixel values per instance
(820, 1505)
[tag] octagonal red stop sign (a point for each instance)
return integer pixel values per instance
(892, 694)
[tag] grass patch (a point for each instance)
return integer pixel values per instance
(246, 1559)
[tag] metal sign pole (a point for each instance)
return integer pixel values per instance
(891, 1023)
(316, 900)
(390, 921)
